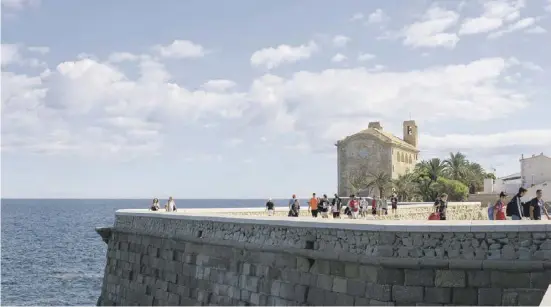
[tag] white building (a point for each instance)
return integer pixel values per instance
(535, 174)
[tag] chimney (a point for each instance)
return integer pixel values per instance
(375, 125)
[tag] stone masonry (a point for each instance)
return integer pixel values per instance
(197, 261)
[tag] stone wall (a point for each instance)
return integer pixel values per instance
(175, 259)
(406, 211)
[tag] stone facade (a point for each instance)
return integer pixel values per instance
(205, 260)
(378, 151)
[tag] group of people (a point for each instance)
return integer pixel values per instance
(533, 209)
(354, 207)
(170, 205)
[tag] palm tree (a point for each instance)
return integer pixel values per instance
(381, 181)
(404, 187)
(474, 177)
(433, 169)
(456, 166)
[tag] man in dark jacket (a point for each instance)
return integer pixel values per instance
(515, 208)
(537, 207)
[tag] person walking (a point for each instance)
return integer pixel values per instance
(313, 205)
(537, 207)
(394, 203)
(336, 206)
(324, 207)
(499, 208)
(515, 207)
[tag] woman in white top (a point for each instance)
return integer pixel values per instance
(171, 205)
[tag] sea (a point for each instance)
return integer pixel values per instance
(51, 254)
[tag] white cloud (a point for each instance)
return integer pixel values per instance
(340, 41)
(117, 57)
(495, 143)
(218, 85)
(181, 49)
(90, 105)
(548, 6)
(357, 16)
(536, 30)
(234, 142)
(339, 57)
(430, 31)
(519, 25)
(10, 54)
(19, 4)
(39, 49)
(363, 57)
(273, 57)
(496, 13)
(377, 16)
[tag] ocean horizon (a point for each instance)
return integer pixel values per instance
(51, 247)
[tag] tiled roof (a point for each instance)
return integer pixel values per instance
(387, 138)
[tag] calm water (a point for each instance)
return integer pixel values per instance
(51, 254)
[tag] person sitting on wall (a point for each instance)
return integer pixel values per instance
(155, 205)
(270, 207)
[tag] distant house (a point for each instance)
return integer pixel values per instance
(535, 174)
(378, 150)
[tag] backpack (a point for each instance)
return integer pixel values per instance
(509, 209)
(490, 211)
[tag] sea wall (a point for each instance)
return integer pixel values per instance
(158, 258)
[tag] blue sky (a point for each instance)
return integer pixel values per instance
(245, 99)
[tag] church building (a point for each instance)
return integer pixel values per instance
(376, 150)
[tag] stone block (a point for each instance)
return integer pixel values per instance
(356, 287)
(255, 299)
(390, 276)
(324, 282)
(379, 292)
(530, 297)
(303, 265)
(510, 280)
(368, 273)
(361, 301)
(489, 297)
(339, 285)
(380, 303)
(275, 288)
(173, 299)
(337, 268)
(316, 297)
(286, 262)
(438, 295)
(419, 278)
(509, 298)
(407, 294)
(245, 295)
(330, 298)
(540, 280)
(300, 293)
(464, 296)
(450, 278)
(287, 291)
(308, 279)
(478, 279)
(351, 270)
(321, 267)
(344, 300)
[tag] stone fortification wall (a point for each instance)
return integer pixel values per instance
(157, 258)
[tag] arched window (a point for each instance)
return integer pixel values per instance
(410, 160)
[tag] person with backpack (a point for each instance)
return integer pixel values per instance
(498, 212)
(515, 207)
(537, 207)
(293, 211)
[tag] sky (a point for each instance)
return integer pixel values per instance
(246, 99)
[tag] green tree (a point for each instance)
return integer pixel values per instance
(456, 166)
(456, 190)
(405, 187)
(381, 181)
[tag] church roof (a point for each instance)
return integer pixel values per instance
(386, 137)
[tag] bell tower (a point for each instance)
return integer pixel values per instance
(411, 134)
